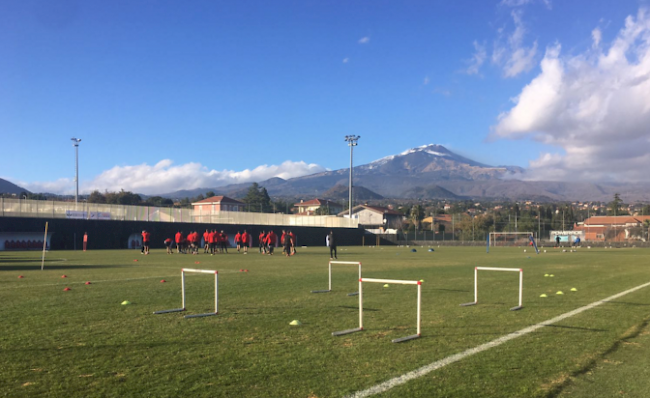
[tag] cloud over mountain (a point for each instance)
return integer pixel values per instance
(164, 176)
(594, 106)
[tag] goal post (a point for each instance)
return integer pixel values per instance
(216, 293)
(509, 238)
(521, 284)
(393, 281)
(358, 263)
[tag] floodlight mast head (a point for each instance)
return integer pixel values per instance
(75, 143)
(352, 142)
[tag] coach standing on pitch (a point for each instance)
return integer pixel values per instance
(332, 243)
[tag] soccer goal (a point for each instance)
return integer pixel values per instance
(216, 293)
(521, 284)
(330, 276)
(510, 238)
(393, 281)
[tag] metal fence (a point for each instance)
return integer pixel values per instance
(97, 211)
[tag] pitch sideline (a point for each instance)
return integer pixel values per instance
(396, 381)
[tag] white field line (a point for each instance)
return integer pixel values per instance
(394, 382)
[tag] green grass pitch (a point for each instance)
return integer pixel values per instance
(83, 342)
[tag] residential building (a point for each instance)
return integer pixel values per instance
(218, 204)
(375, 216)
(318, 206)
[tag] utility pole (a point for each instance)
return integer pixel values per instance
(75, 142)
(352, 142)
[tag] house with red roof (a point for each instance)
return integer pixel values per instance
(614, 228)
(218, 204)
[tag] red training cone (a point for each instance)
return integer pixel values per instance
(67, 289)
(88, 283)
(20, 277)
(163, 281)
(63, 276)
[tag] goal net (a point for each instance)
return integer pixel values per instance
(510, 238)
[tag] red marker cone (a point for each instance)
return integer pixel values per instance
(88, 283)
(197, 262)
(63, 276)
(67, 289)
(245, 270)
(241, 270)
(20, 277)
(163, 281)
(135, 261)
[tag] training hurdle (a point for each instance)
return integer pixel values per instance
(216, 293)
(397, 282)
(521, 284)
(330, 276)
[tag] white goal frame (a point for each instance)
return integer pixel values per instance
(216, 293)
(493, 242)
(393, 281)
(330, 276)
(521, 284)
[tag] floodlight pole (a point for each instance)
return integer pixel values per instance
(352, 142)
(75, 142)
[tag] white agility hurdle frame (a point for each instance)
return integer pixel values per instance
(330, 276)
(216, 293)
(521, 284)
(397, 282)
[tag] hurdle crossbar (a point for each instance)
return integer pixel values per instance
(521, 284)
(330, 276)
(216, 293)
(394, 281)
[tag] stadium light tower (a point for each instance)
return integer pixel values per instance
(75, 142)
(352, 142)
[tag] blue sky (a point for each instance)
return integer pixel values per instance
(169, 95)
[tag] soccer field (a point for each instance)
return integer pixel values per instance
(84, 342)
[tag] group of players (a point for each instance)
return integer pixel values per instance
(215, 242)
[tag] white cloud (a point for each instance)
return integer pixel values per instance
(426, 80)
(165, 177)
(364, 40)
(510, 52)
(346, 60)
(596, 36)
(62, 185)
(477, 59)
(595, 106)
(519, 3)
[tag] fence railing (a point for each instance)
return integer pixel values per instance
(98, 211)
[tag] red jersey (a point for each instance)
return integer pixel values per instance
(262, 237)
(238, 238)
(179, 237)
(245, 237)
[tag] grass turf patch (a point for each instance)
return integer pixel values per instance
(83, 342)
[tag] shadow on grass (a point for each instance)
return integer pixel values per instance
(638, 329)
(32, 260)
(627, 303)
(576, 328)
(55, 267)
(453, 290)
(357, 308)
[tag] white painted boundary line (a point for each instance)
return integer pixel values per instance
(387, 385)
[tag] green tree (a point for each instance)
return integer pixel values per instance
(416, 215)
(614, 208)
(96, 197)
(258, 199)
